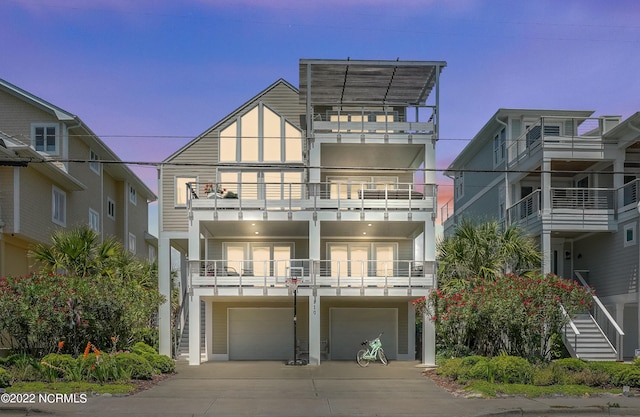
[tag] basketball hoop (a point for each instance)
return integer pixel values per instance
(292, 283)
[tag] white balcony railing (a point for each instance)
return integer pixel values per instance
(326, 195)
(315, 274)
(558, 134)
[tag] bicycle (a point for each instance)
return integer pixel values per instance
(371, 353)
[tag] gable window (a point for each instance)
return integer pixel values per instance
(93, 162)
(94, 220)
(59, 207)
(132, 243)
(111, 209)
(132, 195)
(499, 146)
(181, 189)
(260, 135)
(44, 137)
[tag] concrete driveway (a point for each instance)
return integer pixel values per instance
(331, 389)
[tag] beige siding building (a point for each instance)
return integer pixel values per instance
(324, 194)
(51, 178)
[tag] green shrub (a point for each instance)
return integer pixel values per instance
(160, 363)
(613, 369)
(142, 348)
(5, 378)
(137, 366)
(23, 367)
(511, 369)
(61, 363)
(450, 367)
(481, 369)
(589, 377)
(571, 364)
(544, 376)
(629, 376)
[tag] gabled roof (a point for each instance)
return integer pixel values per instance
(500, 117)
(232, 115)
(119, 171)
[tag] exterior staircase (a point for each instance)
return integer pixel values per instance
(586, 340)
(183, 344)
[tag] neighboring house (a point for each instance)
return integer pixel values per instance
(52, 177)
(571, 181)
(325, 183)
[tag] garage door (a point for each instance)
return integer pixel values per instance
(260, 333)
(350, 326)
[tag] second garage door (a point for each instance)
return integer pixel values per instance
(350, 326)
(260, 333)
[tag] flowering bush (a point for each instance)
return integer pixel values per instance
(510, 314)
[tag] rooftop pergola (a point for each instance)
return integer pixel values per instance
(330, 82)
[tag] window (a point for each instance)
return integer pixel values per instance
(458, 183)
(132, 195)
(499, 146)
(257, 259)
(362, 259)
(94, 220)
(261, 135)
(93, 164)
(44, 137)
(111, 209)
(59, 207)
(132, 243)
(181, 189)
(153, 254)
(629, 234)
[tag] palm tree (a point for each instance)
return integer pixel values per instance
(485, 251)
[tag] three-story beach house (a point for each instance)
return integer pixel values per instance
(326, 192)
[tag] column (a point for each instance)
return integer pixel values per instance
(194, 329)
(428, 340)
(208, 326)
(314, 330)
(164, 286)
(546, 251)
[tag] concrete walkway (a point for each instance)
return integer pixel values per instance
(331, 389)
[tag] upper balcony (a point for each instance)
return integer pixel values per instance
(383, 124)
(560, 138)
(294, 196)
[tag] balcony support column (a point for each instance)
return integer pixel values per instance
(314, 330)
(194, 329)
(428, 339)
(546, 187)
(546, 252)
(618, 178)
(164, 286)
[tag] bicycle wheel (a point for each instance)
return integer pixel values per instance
(360, 358)
(382, 357)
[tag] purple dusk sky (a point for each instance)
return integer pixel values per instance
(149, 75)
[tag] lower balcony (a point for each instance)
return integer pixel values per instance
(585, 209)
(324, 277)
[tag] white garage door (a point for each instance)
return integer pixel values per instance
(260, 333)
(350, 326)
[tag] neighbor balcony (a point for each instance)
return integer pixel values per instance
(585, 209)
(325, 277)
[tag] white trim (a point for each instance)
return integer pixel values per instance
(94, 215)
(55, 190)
(93, 164)
(57, 138)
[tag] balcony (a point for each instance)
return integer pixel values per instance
(373, 123)
(324, 277)
(587, 209)
(560, 138)
(311, 196)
